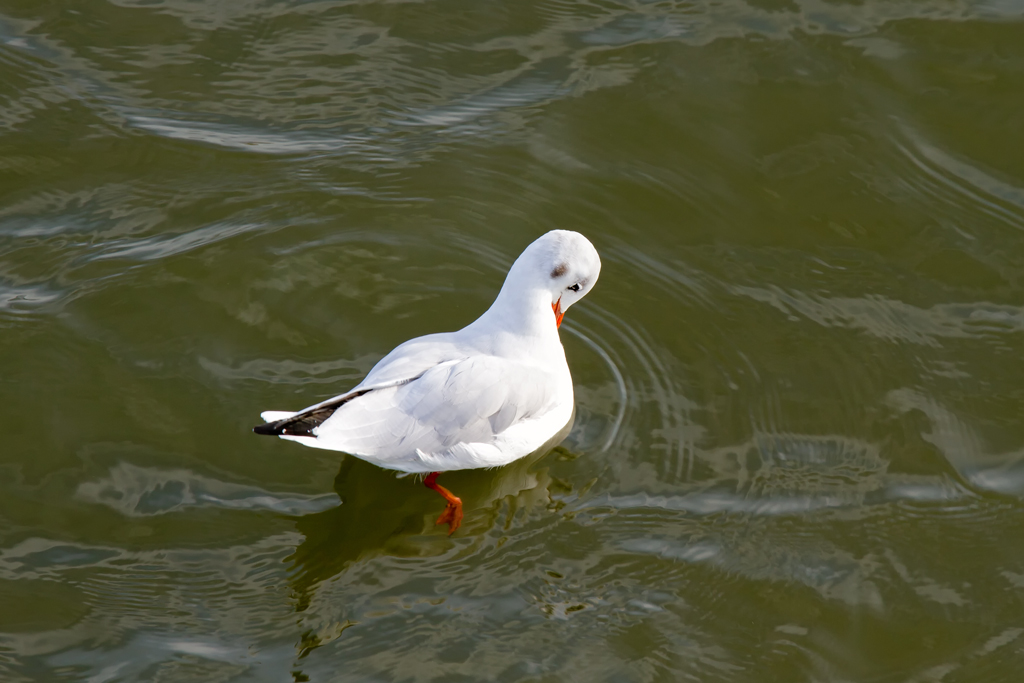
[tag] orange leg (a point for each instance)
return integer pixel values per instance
(452, 514)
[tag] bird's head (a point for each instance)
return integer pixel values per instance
(567, 264)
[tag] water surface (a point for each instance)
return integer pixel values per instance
(798, 452)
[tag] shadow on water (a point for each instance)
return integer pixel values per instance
(384, 514)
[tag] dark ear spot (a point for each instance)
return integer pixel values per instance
(560, 270)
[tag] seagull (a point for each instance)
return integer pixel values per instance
(484, 396)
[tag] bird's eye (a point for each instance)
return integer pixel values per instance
(574, 287)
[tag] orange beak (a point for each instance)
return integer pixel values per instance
(557, 308)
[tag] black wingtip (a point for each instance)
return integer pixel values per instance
(305, 423)
(268, 429)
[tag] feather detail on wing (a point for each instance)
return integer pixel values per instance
(450, 417)
(405, 363)
(304, 422)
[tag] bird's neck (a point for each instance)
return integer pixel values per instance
(521, 311)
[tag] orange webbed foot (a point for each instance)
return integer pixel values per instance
(452, 516)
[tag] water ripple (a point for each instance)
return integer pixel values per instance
(163, 246)
(894, 320)
(997, 198)
(145, 491)
(962, 446)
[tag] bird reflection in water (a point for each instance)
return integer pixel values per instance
(381, 514)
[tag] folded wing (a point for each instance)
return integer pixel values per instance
(450, 417)
(405, 363)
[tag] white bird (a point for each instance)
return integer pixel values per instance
(489, 394)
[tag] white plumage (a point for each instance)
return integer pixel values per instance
(484, 396)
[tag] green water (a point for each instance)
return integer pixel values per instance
(798, 452)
